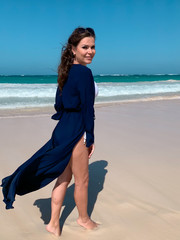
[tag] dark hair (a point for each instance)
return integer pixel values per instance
(67, 56)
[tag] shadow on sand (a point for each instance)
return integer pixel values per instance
(97, 174)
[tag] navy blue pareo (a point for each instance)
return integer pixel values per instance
(75, 111)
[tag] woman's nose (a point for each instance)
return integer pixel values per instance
(89, 50)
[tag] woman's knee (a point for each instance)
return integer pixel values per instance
(82, 182)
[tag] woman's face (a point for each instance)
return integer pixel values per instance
(85, 51)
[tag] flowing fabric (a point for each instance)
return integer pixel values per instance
(75, 112)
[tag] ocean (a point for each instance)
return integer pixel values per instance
(39, 91)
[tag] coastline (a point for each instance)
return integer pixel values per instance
(19, 92)
(49, 110)
(134, 173)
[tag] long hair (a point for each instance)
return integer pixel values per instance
(67, 56)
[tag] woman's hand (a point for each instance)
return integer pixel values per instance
(91, 150)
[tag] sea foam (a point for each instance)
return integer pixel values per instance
(34, 93)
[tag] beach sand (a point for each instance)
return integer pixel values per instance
(134, 174)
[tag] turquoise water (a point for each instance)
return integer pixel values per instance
(41, 79)
(36, 91)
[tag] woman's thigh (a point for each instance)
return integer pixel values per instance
(79, 161)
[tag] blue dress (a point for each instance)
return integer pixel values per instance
(75, 111)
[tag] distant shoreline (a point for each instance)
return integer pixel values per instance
(100, 74)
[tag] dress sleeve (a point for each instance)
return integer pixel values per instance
(58, 105)
(87, 95)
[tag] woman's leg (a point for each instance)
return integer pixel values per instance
(79, 165)
(57, 199)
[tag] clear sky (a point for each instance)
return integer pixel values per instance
(133, 36)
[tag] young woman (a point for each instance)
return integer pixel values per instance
(72, 142)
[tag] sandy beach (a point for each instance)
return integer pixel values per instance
(134, 174)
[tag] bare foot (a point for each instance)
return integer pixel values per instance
(88, 223)
(54, 229)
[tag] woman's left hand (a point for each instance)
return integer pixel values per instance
(91, 150)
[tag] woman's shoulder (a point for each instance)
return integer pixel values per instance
(80, 75)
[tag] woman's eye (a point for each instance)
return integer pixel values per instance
(86, 47)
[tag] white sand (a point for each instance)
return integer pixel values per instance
(134, 175)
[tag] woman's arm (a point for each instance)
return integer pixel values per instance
(87, 94)
(58, 105)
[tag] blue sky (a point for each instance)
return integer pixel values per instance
(133, 36)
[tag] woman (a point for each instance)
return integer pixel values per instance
(72, 141)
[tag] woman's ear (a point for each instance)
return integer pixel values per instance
(74, 50)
